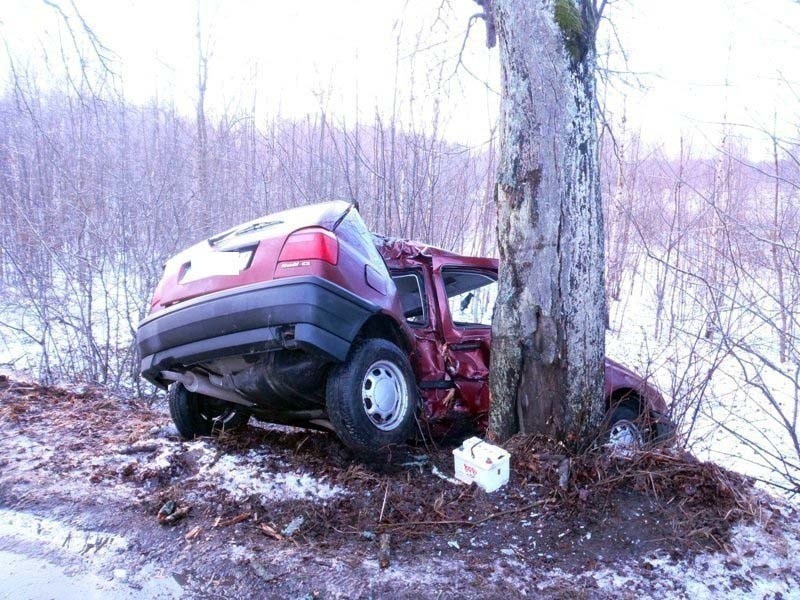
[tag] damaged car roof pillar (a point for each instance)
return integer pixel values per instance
(201, 384)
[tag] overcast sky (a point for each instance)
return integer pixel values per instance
(698, 62)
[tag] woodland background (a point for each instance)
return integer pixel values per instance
(97, 191)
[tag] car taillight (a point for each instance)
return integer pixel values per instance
(310, 244)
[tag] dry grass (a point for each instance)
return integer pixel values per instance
(702, 499)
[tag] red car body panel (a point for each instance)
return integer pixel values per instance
(350, 271)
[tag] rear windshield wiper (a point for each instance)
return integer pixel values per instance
(246, 229)
(351, 206)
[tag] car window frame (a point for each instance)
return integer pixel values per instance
(451, 321)
(423, 292)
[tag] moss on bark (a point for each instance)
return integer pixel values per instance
(568, 18)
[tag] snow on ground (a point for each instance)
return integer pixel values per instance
(760, 565)
(43, 558)
(75, 478)
(36, 578)
(31, 528)
(242, 477)
(258, 472)
(30, 454)
(30, 462)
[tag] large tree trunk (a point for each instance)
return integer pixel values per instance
(548, 331)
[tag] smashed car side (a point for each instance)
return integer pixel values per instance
(303, 317)
(452, 358)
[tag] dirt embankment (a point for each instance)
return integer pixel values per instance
(105, 493)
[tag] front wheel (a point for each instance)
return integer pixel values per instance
(624, 433)
(197, 415)
(371, 397)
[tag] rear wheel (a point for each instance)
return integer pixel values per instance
(371, 397)
(197, 415)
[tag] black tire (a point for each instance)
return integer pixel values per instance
(197, 415)
(377, 365)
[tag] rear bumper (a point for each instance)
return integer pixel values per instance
(301, 312)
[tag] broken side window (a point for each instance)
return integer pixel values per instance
(471, 296)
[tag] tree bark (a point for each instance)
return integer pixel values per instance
(548, 332)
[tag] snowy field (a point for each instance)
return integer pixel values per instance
(60, 329)
(730, 405)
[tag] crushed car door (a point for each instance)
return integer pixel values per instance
(416, 296)
(467, 296)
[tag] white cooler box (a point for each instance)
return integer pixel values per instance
(483, 463)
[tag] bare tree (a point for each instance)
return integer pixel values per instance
(202, 191)
(548, 332)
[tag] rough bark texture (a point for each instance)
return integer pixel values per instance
(548, 329)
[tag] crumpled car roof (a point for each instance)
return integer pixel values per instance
(396, 251)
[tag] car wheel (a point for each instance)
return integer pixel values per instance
(196, 415)
(624, 434)
(372, 396)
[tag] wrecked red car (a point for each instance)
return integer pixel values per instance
(305, 318)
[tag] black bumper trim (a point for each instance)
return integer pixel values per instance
(242, 343)
(325, 318)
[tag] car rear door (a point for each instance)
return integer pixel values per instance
(420, 309)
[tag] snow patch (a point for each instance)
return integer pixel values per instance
(761, 565)
(163, 459)
(39, 578)
(28, 454)
(26, 527)
(242, 477)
